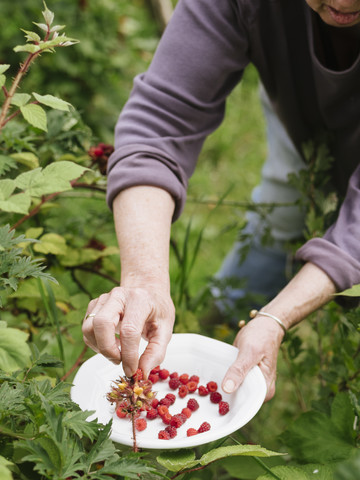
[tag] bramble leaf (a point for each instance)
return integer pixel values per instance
(6, 164)
(14, 351)
(28, 159)
(5, 473)
(351, 292)
(53, 102)
(35, 115)
(4, 67)
(177, 460)
(20, 99)
(18, 203)
(28, 47)
(51, 243)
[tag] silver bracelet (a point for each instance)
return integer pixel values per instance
(254, 313)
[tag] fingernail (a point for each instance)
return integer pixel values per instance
(229, 386)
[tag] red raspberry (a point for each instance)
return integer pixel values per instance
(154, 377)
(184, 378)
(194, 378)
(192, 386)
(212, 386)
(162, 410)
(171, 397)
(140, 424)
(176, 421)
(165, 401)
(191, 431)
(223, 408)
(183, 391)
(215, 397)
(192, 404)
(203, 391)
(120, 413)
(204, 427)
(174, 383)
(156, 369)
(163, 374)
(166, 418)
(174, 375)
(98, 151)
(155, 403)
(187, 412)
(172, 431)
(138, 375)
(152, 413)
(163, 435)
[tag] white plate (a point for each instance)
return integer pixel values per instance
(186, 353)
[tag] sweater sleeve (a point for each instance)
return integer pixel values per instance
(180, 99)
(338, 252)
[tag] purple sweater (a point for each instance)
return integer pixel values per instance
(181, 99)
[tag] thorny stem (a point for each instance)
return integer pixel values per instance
(135, 447)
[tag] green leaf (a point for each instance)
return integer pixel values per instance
(351, 292)
(28, 159)
(42, 26)
(4, 67)
(5, 473)
(348, 470)
(247, 467)
(34, 232)
(177, 460)
(51, 243)
(6, 164)
(35, 115)
(7, 187)
(18, 203)
(14, 351)
(28, 47)
(2, 80)
(103, 448)
(247, 450)
(77, 422)
(128, 468)
(53, 102)
(20, 99)
(286, 473)
(31, 36)
(315, 437)
(48, 15)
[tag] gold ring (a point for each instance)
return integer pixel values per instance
(91, 315)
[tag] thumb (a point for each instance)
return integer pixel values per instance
(237, 372)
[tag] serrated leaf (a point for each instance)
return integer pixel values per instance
(51, 243)
(2, 80)
(7, 187)
(318, 471)
(53, 102)
(4, 67)
(18, 203)
(103, 448)
(177, 460)
(6, 164)
(128, 468)
(42, 26)
(28, 159)
(348, 470)
(35, 115)
(34, 232)
(20, 99)
(48, 15)
(28, 47)
(14, 351)
(351, 292)
(46, 360)
(286, 473)
(57, 28)
(248, 450)
(5, 473)
(31, 36)
(77, 422)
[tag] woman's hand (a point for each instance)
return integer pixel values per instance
(131, 313)
(258, 343)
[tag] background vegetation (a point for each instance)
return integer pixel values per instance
(314, 414)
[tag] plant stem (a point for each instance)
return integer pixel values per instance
(135, 447)
(76, 364)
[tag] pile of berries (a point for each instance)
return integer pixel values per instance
(139, 393)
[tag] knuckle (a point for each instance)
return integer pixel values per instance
(130, 330)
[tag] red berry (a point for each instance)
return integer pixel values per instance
(98, 151)
(166, 418)
(191, 431)
(174, 375)
(155, 403)
(154, 377)
(187, 412)
(204, 427)
(140, 424)
(203, 391)
(138, 375)
(223, 408)
(120, 413)
(172, 431)
(156, 369)
(183, 391)
(152, 413)
(212, 386)
(162, 410)
(215, 397)
(163, 374)
(174, 383)
(163, 435)
(171, 397)
(192, 404)
(176, 421)
(192, 386)
(184, 378)
(194, 378)
(165, 401)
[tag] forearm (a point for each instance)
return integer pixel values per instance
(142, 217)
(310, 289)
